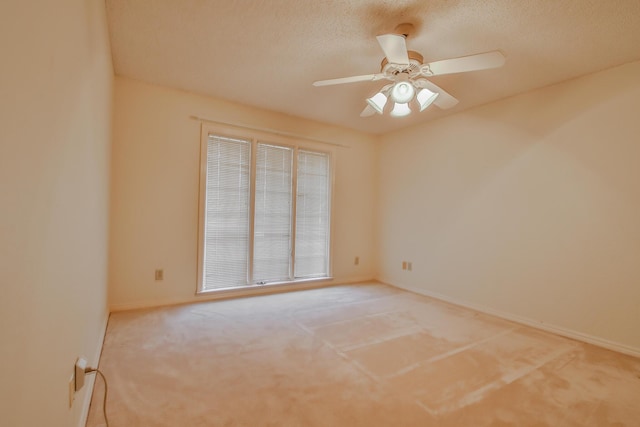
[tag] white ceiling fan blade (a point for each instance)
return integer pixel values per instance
(352, 79)
(444, 99)
(394, 47)
(480, 61)
(368, 111)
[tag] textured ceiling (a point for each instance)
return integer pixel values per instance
(267, 53)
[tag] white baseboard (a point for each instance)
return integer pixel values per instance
(90, 379)
(538, 324)
(238, 293)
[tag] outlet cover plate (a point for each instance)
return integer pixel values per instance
(72, 389)
(81, 365)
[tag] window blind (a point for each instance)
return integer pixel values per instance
(272, 226)
(312, 215)
(226, 239)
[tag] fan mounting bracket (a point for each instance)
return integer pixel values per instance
(404, 29)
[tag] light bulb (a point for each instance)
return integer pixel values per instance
(400, 110)
(402, 92)
(378, 101)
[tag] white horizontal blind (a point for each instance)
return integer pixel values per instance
(226, 231)
(312, 215)
(272, 225)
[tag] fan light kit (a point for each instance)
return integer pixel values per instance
(407, 72)
(402, 93)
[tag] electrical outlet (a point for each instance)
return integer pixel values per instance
(404, 265)
(356, 261)
(72, 389)
(80, 372)
(159, 274)
(409, 266)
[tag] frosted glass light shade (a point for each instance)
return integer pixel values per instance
(377, 102)
(425, 97)
(400, 110)
(402, 92)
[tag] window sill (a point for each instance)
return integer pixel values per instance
(267, 287)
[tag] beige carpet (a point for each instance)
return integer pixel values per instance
(362, 355)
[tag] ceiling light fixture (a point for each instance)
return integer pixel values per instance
(425, 98)
(402, 93)
(378, 101)
(400, 110)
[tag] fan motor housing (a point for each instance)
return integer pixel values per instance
(415, 61)
(413, 57)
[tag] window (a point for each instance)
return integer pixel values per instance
(312, 214)
(264, 211)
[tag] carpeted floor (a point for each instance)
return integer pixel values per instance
(360, 355)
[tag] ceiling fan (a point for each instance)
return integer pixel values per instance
(407, 73)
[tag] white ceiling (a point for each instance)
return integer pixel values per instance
(267, 53)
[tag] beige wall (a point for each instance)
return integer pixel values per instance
(154, 212)
(55, 112)
(529, 206)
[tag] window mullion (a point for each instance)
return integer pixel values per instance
(252, 208)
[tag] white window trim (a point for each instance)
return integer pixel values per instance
(265, 137)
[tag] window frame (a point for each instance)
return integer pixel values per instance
(268, 138)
